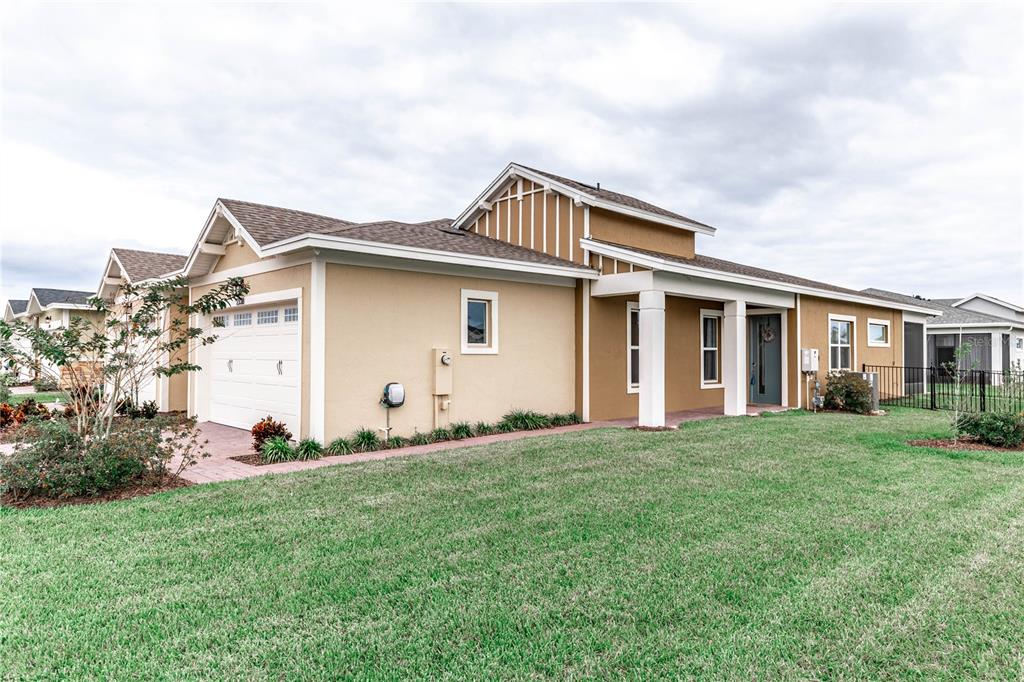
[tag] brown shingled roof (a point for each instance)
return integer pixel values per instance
(143, 265)
(719, 265)
(269, 224)
(616, 197)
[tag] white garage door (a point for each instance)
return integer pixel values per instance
(255, 367)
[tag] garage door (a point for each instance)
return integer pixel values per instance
(255, 367)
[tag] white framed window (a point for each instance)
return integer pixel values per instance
(241, 319)
(266, 317)
(632, 347)
(710, 348)
(1020, 343)
(220, 321)
(878, 333)
(479, 322)
(291, 314)
(841, 335)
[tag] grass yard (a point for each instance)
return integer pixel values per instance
(792, 545)
(44, 397)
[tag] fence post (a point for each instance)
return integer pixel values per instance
(981, 389)
(931, 385)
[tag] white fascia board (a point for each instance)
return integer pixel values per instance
(578, 197)
(990, 299)
(335, 243)
(977, 325)
(218, 209)
(655, 263)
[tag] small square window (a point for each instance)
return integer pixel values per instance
(479, 322)
(291, 314)
(220, 321)
(242, 319)
(878, 333)
(266, 317)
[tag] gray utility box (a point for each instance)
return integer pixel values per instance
(871, 378)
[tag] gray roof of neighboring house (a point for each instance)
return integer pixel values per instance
(18, 305)
(143, 265)
(268, 224)
(615, 197)
(950, 314)
(719, 265)
(48, 297)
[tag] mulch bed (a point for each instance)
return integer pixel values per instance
(962, 444)
(253, 460)
(137, 490)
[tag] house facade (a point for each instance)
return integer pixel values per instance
(50, 309)
(544, 294)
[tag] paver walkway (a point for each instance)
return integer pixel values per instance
(226, 442)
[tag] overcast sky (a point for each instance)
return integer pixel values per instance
(865, 146)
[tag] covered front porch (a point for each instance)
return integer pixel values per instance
(695, 345)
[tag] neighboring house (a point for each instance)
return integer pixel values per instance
(130, 266)
(54, 309)
(15, 310)
(544, 293)
(993, 328)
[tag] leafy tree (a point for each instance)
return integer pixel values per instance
(149, 330)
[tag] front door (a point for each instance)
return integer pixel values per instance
(765, 349)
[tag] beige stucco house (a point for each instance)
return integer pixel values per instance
(51, 309)
(544, 293)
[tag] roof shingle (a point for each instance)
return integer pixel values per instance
(143, 265)
(48, 297)
(269, 224)
(950, 313)
(18, 305)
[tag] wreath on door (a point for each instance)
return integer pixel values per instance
(767, 334)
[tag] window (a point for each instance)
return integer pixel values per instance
(266, 317)
(291, 314)
(220, 321)
(242, 319)
(840, 342)
(710, 343)
(632, 347)
(1020, 344)
(878, 333)
(479, 322)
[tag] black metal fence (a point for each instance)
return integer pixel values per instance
(940, 388)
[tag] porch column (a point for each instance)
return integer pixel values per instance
(734, 357)
(652, 358)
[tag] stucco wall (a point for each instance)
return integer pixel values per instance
(235, 255)
(382, 326)
(609, 398)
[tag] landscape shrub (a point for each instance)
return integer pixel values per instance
(268, 428)
(395, 442)
(365, 440)
(308, 449)
(58, 462)
(6, 381)
(483, 429)
(44, 385)
(127, 408)
(276, 449)
(460, 430)
(419, 438)
(148, 409)
(567, 419)
(1003, 430)
(848, 392)
(339, 446)
(26, 410)
(524, 420)
(440, 435)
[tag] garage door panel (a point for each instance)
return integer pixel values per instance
(254, 371)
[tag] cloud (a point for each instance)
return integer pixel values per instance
(865, 145)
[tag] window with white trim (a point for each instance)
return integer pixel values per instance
(291, 314)
(840, 342)
(632, 347)
(1020, 344)
(220, 321)
(266, 317)
(710, 347)
(479, 322)
(878, 333)
(241, 319)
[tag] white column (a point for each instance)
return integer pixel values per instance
(652, 358)
(734, 357)
(317, 346)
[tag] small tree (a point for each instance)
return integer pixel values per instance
(956, 370)
(149, 330)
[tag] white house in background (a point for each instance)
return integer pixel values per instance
(994, 329)
(54, 309)
(15, 310)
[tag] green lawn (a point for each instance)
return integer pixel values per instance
(793, 546)
(45, 397)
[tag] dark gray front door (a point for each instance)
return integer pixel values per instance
(1006, 353)
(765, 350)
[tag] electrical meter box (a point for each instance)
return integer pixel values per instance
(808, 359)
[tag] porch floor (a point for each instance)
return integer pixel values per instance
(674, 419)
